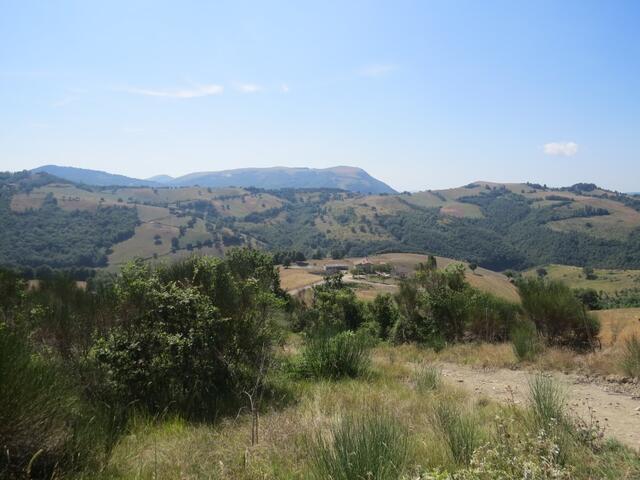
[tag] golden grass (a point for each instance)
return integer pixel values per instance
(618, 324)
(169, 448)
(172, 448)
(608, 280)
(296, 278)
(142, 243)
(483, 279)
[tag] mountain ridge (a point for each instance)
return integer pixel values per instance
(348, 178)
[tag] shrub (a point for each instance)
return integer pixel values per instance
(343, 355)
(384, 312)
(370, 446)
(461, 431)
(631, 357)
(525, 340)
(558, 315)
(434, 304)
(428, 378)
(491, 318)
(191, 337)
(44, 424)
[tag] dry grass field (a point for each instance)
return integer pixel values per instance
(403, 264)
(608, 280)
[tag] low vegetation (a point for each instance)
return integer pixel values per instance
(345, 354)
(205, 368)
(371, 444)
(631, 357)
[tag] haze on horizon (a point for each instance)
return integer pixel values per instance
(419, 94)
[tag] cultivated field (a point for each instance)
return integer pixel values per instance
(607, 280)
(296, 278)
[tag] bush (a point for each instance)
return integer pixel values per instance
(437, 307)
(434, 304)
(491, 318)
(191, 337)
(461, 431)
(525, 340)
(631, 357)
(370, 446)
(558, 315)
(343, 355)
(384, 312)
(44, 424)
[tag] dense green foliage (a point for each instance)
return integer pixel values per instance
(558, 315)
(440, 306)
(57, 238)
(189, 338)
(44, 422)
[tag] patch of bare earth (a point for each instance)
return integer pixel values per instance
(616, 405)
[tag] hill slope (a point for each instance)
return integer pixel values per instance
(345, 178)
(93, 177)
(498, 226)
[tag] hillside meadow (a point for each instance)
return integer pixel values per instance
(499, 227)
(207, 368)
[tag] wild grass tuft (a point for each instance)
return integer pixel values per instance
(631, 357)
(428, 378)
(461, 430)
(547, 402)
(525, 340)
(346, 354)
(372, 445)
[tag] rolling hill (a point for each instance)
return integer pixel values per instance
(92, 177)
(345, 178)
(498, 226)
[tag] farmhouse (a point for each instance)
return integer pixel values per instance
(336, 267)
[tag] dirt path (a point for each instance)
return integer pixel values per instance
(617, 408)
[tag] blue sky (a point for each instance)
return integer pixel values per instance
(424, 94)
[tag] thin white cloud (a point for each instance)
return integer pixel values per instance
(376, 70)
(248, 88)
(284, 88)
(565, 149)
(195, 92)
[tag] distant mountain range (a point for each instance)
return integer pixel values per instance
(346, 178)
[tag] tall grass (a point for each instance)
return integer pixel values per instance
(525, 340)
(45, 427)
(460, 429)
(547, 402)
(631, 357)
(343, 355)
(428, 378)
(369, 446)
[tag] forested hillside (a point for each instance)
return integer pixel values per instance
(50, 236)
(49, 221)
